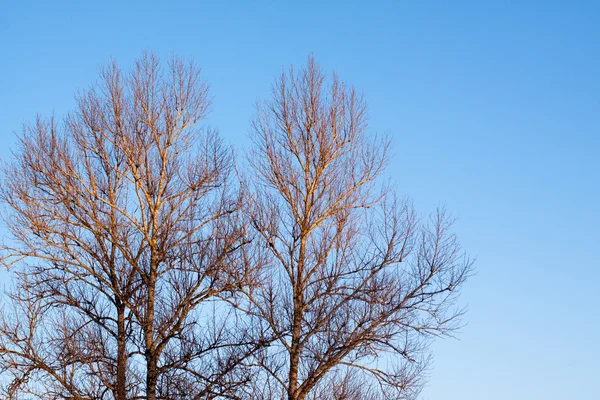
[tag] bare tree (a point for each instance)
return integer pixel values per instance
(355, 284)
(125, 232)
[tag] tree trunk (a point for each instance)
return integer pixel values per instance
(151, 359)
(121, 387)
(293, 392)
(294, 357)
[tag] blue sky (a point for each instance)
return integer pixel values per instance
(494, 110)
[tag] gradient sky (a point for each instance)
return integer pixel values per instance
(494, 111)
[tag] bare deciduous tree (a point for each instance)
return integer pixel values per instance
(124, 229)
(128, 243)
(356, 284)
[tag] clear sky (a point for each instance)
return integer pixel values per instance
(494, 110)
